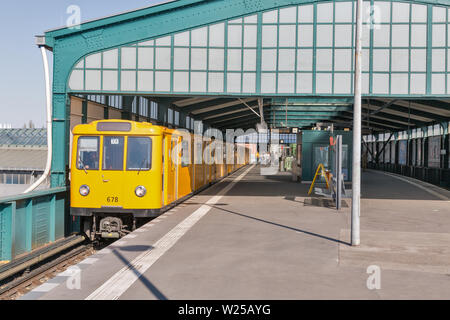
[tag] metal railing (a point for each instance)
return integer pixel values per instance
(30, 221)
(436, 176)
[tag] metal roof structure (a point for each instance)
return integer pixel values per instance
(379, 114)
(212, 60)
(23, 149)
(22, 159)
(23, 137)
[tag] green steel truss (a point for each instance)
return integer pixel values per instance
(322, 66)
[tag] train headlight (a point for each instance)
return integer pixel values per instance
(140, 191)
(84, 190)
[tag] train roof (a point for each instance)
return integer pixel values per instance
(119, 127)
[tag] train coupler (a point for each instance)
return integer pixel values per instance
(111, 228)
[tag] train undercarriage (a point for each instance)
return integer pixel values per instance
(107, 226)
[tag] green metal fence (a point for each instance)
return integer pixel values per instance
(30, 221)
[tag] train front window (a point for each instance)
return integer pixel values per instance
(139, 153)
(88, 158)
(113, 153)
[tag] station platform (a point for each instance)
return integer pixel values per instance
(261, 237)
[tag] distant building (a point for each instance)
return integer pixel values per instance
(23, 154)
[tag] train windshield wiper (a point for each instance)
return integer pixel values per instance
(140, 166)
(84, 167)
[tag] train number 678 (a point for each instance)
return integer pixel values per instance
(112, 199)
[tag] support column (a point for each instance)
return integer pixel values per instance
(106, 113)
(162, 113)
(446, 145)
(127, 103)
(356, 170)
(182, 120)
(444, 157)
(60, 137)
(149, 109)
(84, 110)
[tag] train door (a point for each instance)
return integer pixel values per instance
(170, 171)
(163, 170)
(205, 166)
(112, 166)
(176, 149)
(213, 165)
(211, 161)
(193, 166)
(198, 164)
(184, 168)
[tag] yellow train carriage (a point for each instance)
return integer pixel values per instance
(123, 170)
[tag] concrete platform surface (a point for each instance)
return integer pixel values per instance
(259, 237)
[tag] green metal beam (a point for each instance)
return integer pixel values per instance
(293, 123)
(347, 122)
(311, 108)
(433, 103)
(244, 125)
(399, 121)
(207, 104)
(218, 112)
(170, 100)
(389, 116)
(388, 124)
(308, 101)
(232, 123)
(305, 113)
(412, 111)
(232, 116)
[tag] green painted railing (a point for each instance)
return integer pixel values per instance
(30, 221)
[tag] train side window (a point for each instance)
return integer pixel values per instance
(139, 154)
(113, 153)
(88, 151)
(185, 161)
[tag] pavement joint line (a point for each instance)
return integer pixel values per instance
(132, 236)
(120, 282)
(432, 192)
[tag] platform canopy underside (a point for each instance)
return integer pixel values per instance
(214, 59)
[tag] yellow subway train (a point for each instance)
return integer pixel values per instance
(123, 170)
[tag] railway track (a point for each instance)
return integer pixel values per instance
(21, 284)
(26, 275)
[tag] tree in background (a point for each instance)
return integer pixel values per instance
(30, 125)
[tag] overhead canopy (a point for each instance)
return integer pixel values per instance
(379, 114)
(213, 59)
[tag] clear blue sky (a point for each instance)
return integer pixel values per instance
(22, 90)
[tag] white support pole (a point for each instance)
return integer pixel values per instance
(356, 176)
(48, 95)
